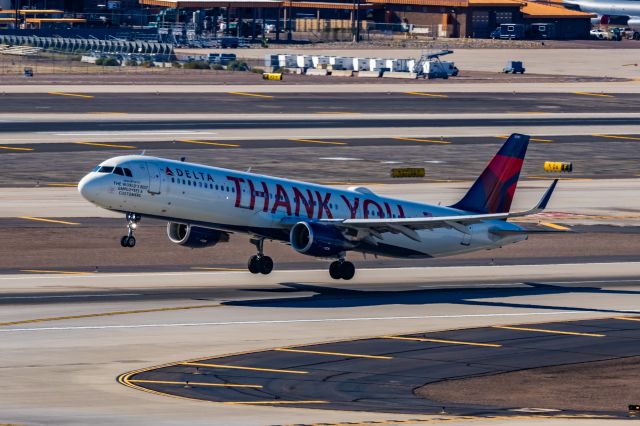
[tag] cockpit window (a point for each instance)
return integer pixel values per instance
(127, 172)
(105, 169)
(118, 171)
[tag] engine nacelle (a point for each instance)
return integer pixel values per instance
(194, 236)
(314, 239)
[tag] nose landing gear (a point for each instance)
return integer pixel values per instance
(260, 264)
(342, 269)
(132, 223)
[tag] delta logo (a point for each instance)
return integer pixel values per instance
(168, 172)
(190, 174)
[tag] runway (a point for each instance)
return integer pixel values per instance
(317, 103)
(68, 337)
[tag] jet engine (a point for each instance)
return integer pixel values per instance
(195, 236)
(319, 240)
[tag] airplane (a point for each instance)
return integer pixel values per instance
(203, 205)
(620, 12)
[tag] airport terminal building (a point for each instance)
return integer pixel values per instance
(332, 19)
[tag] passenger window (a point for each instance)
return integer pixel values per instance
(118, 171)
(127, 172)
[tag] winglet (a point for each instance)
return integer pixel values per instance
(542, 204)
(547, 196)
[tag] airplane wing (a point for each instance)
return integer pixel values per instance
(409, 226)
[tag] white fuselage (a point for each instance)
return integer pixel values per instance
(267, 207)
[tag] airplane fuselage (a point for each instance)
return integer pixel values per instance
(267, 207)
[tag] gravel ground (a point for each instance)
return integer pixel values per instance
(48, 246)
(591, 386)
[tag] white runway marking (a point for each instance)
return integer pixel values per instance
(320, 320)
(70, 296)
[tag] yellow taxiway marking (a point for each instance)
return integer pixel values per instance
(41, 219)
(13, 148)
(220, 385)
(350, 183)
(239, 367)
(106, 144)
(453, 342)
(75, 95)
(204, 268)
(628, 319)
(543, 330)
(317, 141)
(305, 351)
(207, 143)
(531, 139)
(631, 138)
(68, 185)
(559, 178)
(603, 95)
(423, 140)
(102, 314)
(555, 226)
(54, 271)
(431, 95)
(273, 402)
(257, 95)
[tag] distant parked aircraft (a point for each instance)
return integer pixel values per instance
(204, 204)
(620, 12)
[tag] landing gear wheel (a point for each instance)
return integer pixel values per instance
(254, 265)
(132, 223)
(266, 265)
(334, 270)
(347, 270)
(131, 241)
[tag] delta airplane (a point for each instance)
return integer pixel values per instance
(203, 205)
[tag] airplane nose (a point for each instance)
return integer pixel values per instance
(87, 187)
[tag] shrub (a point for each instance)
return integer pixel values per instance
(196, 65)
(237, 66)
(107, 62)
(217, 67)
(176, 64)
(257, 70)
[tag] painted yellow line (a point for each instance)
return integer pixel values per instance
(350, 183)
(431, 95)
(317, 141)
(453, 342)
(628, 319)
(555, 226)
(423, 140)
(543, 330)
(594, 94)
(41, 219)
(107, 314)
(203, 268)
(75, 95)
(219, 385)
(257, 95)
(106, 144)
(531, 139)
(207, 142)
(67, 185)
(631, 138)
(304, 351)
(273, 402)
(52, 271)
(559, 178)
(239, 367)
(13, 148)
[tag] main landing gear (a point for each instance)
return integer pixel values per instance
(342, 269)
(260, 264)
(132, 223)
